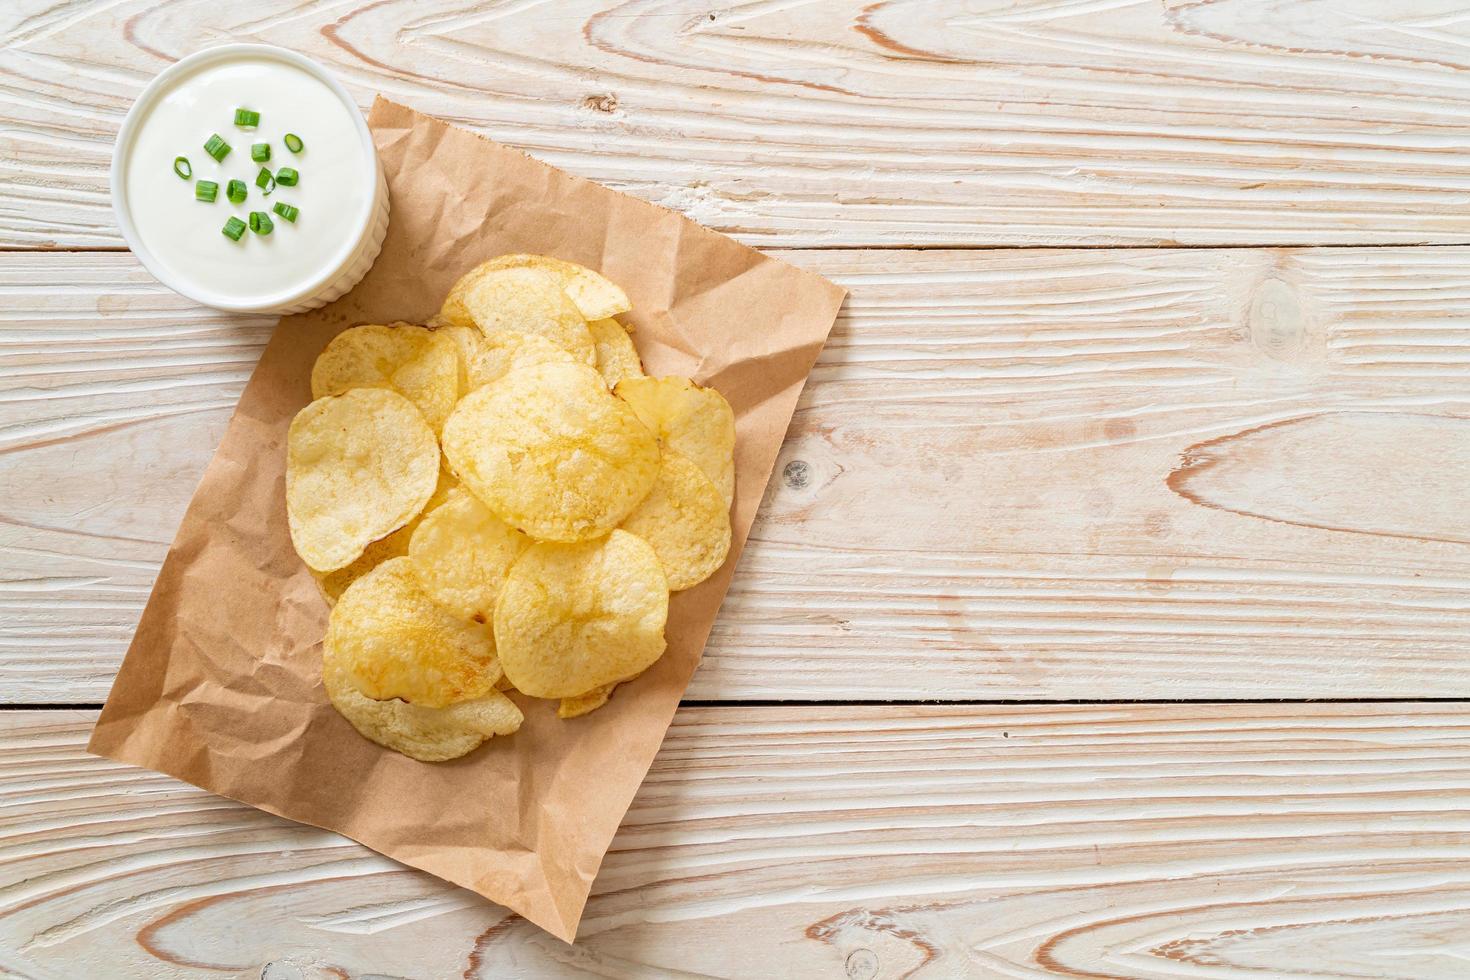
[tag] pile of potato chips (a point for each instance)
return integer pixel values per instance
(501, 500)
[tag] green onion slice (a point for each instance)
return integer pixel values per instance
(183, 168)
(233, 229)
(265, 181)
(287, 177)
(260, 152)
(286, 211)
(293, 142)
(261, 223)
(206, 190)
(247, 118)
(236, 191)
(216, 147)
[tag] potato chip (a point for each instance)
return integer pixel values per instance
(461, 553)
(507, 351)
(693, 421)
(586, 704)
(419, 364)
(359, 465)
(434, 380)
(686, 521)
(569, 501)
(365, 357)
(395, 545)
(596, 296)
(552, 452)
(453, 312)
(530, 301)
(393, 641)
(617, 358)
(425, 734)
(467, 339)
(572, 617)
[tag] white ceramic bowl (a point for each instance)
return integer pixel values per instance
(363, 231)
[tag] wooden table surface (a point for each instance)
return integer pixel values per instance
(1108, 615)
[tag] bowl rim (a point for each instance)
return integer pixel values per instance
(128, 132)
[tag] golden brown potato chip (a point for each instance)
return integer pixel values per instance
(617, 358)
(395, 545)
(529, 301)
(434, 380)
(467, 339)
(359, 465)
(507, 351)
(693, 421)
(393, 641)
(596, 296)
(552, 452)
(453, 311)
(419, 364)
(686, 521)
(461, 553)
(586, 704)
(366, 357)
(572, 617)
(425, 734)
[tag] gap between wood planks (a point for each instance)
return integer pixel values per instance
(912, 703)
(957, 247)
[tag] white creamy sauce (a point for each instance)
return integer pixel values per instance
(334, 192)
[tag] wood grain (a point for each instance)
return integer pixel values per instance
(1230, 841)
(814, 122)
(1120, 474)
(113, 393)
(1014, 475)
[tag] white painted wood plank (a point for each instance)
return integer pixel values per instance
(819, 123)
(1014, 474)
(1228, 841)
(1111, 474)
(113, 394)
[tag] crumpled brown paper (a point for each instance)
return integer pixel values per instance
(222, 687)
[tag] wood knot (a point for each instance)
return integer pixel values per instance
(1278, 326)
(601, 103)
(862, 964)
(797, 474)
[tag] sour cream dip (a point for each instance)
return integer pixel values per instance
(332, 186)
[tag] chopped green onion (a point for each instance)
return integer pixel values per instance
(286, 211)
(217, 147)
(265, 181)
(246, 118)
(287, 177)
(233, 229)
(183, 168)
(236, 191)
(260, 152)
(261, 223)
(293, 143)
(206, 190)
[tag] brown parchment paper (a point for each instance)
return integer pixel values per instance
(221, 685)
